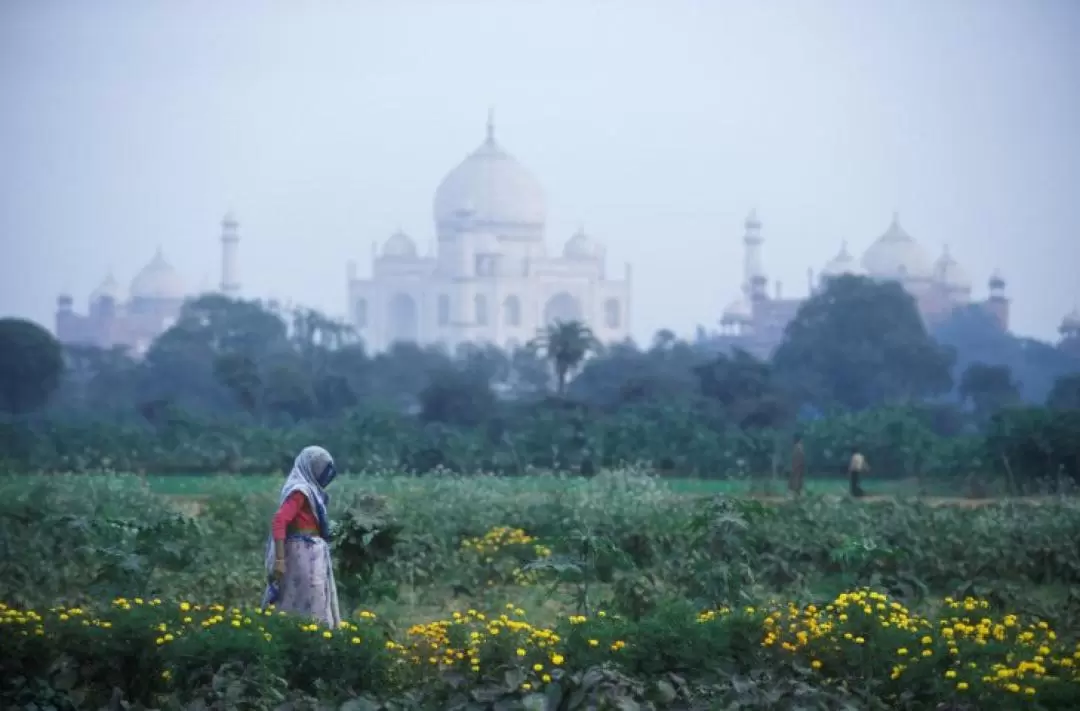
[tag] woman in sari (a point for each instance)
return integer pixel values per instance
(299, 569)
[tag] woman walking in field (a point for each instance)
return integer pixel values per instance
(298, 565)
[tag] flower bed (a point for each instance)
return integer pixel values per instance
(150, 649)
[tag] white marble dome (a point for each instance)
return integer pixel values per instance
(896, 255)
(1071, 322)
(400, 246)
(842, 263)
(582, 246)
(493, 188)
(738, 311)
(109, 288)
(158, 281)
(949, 273)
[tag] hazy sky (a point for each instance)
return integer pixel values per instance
(657, 125)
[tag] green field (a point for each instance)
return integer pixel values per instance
(619, 589)
(204, 485)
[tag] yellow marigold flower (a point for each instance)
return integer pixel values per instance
(520, 652)
(962, 686)
(556, 659)
(950, 674)
(538, 667)
(816, 664)
(902, 651)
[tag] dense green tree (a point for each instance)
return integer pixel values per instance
(744, 387)
(975, 336)
(988, 388)
(859, 343)
(1065, 395)
(458, 395)
(31, 363)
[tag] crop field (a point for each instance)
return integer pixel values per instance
(202, 485)
(618, 591)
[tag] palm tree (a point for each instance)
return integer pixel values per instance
(565, 344)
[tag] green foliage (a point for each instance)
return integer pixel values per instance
(31, 362)
(989, 388)
(648, 597)
(565, 344)
(858, 343)
(1065, 395)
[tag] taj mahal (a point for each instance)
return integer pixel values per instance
(491, 278)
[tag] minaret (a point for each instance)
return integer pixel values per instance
(998, 303)
(230, 244)
(490, 138)
(755, 283)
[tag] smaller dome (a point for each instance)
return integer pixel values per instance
(158, 281)
(107, 289)
(738, 311)
(400, 246)
(842, 263)
(949, 273)
(1071, 322)
(582, 246)
(997, 280)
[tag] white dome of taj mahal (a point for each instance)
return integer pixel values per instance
(843, 263)
(738, 311)
(582, 246)
(493, 188)
(400, 245)
(107, 289)
(158, 281)
(896, 255)
(949, 273)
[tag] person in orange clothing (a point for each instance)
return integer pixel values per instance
(300, 572)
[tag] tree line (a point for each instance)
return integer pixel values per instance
(856, 347)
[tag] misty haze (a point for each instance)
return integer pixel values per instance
(491, 354)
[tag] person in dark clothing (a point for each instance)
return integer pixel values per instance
(856, 469)
(798, 467)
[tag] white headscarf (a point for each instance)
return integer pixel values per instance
(304, 477)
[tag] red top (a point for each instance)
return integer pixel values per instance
(295, 513)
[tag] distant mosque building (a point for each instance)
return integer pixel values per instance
(150, 306)
(1070, 332)
(490, 278)
(755, 321)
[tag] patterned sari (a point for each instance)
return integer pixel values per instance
(308, 587)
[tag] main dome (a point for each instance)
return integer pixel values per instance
(158, 281)
(896, 255)
(491, 188)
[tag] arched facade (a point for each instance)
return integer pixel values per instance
(491, 277)
(402, 319)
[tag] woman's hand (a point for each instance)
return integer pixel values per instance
(279, 569)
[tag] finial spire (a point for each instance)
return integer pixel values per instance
(491, 125)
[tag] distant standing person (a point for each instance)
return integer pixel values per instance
(856, 469)
(798, 467)
(300, 573)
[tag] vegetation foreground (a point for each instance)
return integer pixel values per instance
(473, 593)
